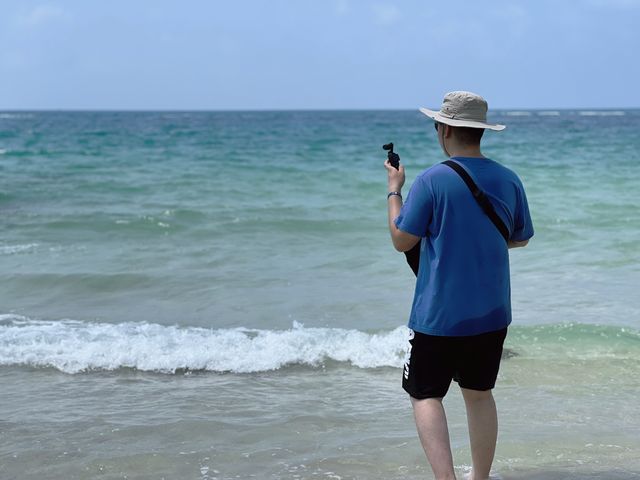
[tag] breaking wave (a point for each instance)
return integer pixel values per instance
(73, 346)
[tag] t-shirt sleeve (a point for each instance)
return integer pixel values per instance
(523, 226)
(416, 212)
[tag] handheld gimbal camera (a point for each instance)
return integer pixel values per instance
(394, 158)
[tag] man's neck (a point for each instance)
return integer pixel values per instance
(465, 151)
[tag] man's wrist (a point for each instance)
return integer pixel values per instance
(393, 193)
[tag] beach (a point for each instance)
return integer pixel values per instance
(214, 295)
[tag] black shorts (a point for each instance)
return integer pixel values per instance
(432, 362)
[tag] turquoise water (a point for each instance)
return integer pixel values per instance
(216, 292)
(181, 218)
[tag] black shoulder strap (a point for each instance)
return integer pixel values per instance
(481, 198)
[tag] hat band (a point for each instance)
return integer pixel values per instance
(454, 117)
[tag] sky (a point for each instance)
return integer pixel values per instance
(317, 54)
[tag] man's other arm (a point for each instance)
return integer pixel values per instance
(514, 244)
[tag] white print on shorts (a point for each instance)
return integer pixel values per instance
(407, 356)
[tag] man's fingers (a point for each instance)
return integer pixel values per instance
(393, 170)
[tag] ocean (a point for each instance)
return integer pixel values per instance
(214, 295)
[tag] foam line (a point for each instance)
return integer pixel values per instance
(72, 346)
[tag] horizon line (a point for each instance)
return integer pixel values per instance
(267, 110)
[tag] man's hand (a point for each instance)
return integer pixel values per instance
(395, 177)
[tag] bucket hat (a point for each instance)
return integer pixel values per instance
(463, 109)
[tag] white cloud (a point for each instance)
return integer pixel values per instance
(386, 14)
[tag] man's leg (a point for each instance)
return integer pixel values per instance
(482, 418)
(434, 436)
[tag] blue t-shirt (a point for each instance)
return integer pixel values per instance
(463, 285)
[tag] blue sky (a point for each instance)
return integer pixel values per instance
(317, 54)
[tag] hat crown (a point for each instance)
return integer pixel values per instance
(464, 106)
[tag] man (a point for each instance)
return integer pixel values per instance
(461, 307)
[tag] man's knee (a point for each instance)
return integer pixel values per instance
(471, 396)
(421, 401)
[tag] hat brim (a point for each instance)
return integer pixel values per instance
(460, 123)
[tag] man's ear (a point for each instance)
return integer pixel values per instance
(448, 131)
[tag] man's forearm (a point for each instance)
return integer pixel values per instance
(402, 241)
(394, 204)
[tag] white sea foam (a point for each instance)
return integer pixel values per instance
(15, 115)
(73, 346)
(11, 249)
(518, 113)
(602, 113)
(549, 113)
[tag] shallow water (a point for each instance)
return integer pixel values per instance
(301, 422)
